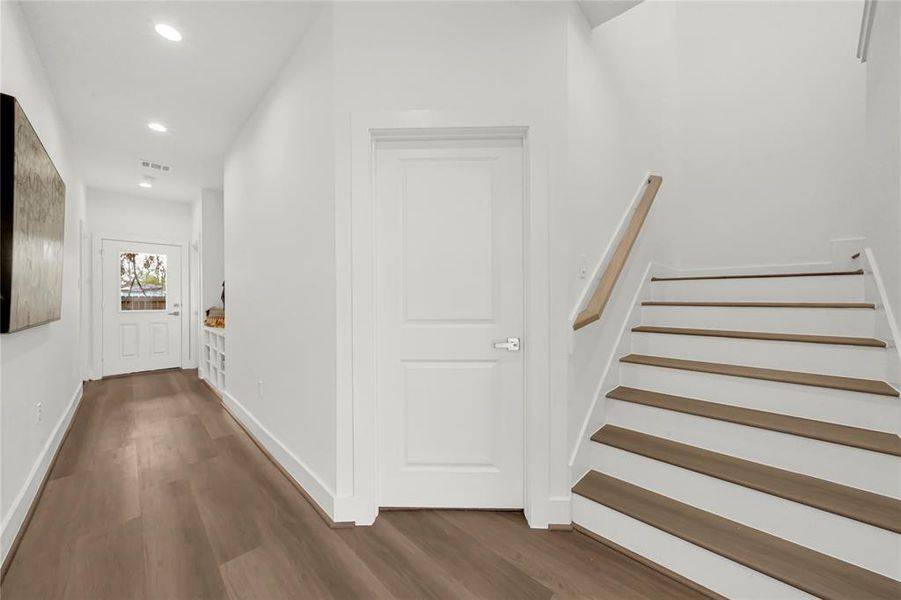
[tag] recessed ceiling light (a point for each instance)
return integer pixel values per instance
(158, 127)
(168, 31)
(145, 184)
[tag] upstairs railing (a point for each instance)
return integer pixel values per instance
(595, 307)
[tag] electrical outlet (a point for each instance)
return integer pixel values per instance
(583, 267)
(40, 412)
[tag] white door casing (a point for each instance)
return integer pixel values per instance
(142, 339)
(449, 285)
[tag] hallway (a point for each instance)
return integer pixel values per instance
(158, 493)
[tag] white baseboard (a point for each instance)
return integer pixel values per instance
(886, 325)
(314, 487)
(356, 510)
(560, 510)
(14, 519)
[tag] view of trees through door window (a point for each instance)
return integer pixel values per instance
(142, 281)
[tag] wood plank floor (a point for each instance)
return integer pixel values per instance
(158, 493)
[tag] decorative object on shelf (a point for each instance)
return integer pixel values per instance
(215, 317)
(32, 225)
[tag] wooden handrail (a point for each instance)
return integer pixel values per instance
(606, 283)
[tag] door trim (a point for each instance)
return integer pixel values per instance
(357, 419)
(97, 294)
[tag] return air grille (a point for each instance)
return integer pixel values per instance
(155, 166)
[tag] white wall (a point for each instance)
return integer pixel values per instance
(197, 309)
(619, 127)
(618, 124)
(213, 247)
(753, 113)
(760, 139)
(280, 272)
(287, 198)
(880, 205)
(207, 261)
(770, 115)
(39, 365)
(142, 219)
(477, 59)
(137, 217)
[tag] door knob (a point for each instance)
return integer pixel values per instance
(511, 345)
(175, 313)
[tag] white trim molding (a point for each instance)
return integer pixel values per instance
(15, 518)
(854, 253)
(316, 489)
(886, 325)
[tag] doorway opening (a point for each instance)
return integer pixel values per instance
(140, 306)
(449, 296)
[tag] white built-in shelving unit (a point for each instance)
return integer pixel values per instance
(212, 357)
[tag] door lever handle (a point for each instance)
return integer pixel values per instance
(511, 345)
(175, 313)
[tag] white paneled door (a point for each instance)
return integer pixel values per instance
(141, 306)
(449, 318)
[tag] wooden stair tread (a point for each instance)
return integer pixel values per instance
(766, 304)
(851, 384)
(760, 275)
(795, 565)
(759, 335)
(866, 439)
(867, 507)
(806, 569)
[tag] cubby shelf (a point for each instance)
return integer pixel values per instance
(212, 357)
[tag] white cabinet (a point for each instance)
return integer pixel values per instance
(212, 357)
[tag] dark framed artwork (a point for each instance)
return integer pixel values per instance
(32, 225)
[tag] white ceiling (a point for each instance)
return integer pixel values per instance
(112, 73)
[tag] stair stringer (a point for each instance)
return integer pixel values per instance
(595, 416)
(886, 325)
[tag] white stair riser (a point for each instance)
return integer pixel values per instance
(765, 289)
(845, 539)
(854, 467)
(828, 359)
(697, 564)
(858, 322)
(869, 411)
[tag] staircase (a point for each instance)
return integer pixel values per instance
(751, 446)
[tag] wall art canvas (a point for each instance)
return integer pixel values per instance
(32, 225)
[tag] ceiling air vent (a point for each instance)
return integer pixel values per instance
(155, 166)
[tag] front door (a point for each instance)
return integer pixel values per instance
(141, 306)
(449, 323)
